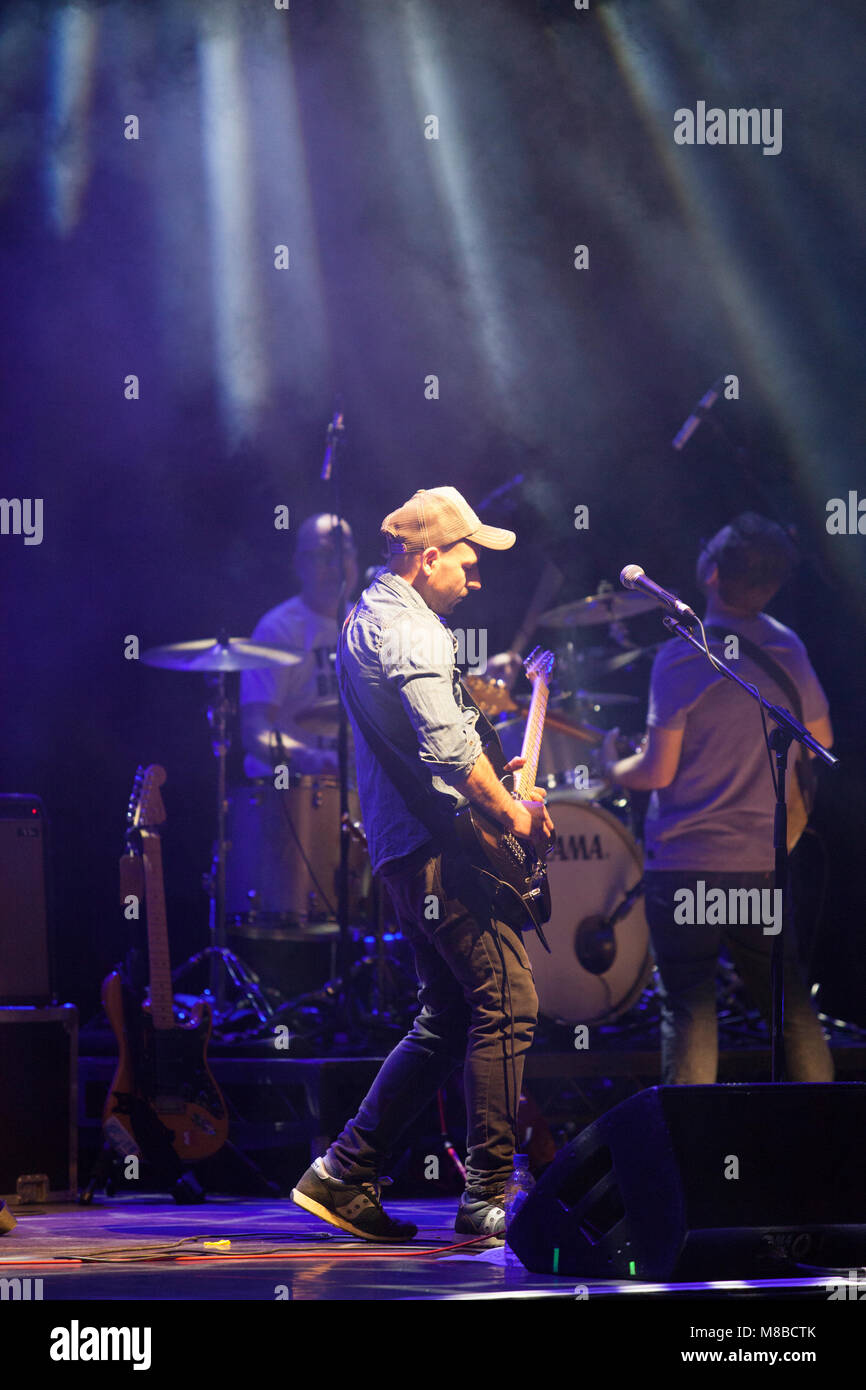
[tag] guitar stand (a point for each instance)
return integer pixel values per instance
(155, 1142)
(107, 1174)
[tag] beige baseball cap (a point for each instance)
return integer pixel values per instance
(439, 516)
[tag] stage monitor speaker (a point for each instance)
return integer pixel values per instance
(25, 956)
(705, 1182)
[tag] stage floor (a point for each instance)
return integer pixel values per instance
(147, 1248)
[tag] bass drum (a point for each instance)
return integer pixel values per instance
(593, 974)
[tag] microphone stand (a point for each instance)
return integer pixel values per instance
(787, 729)
(344, 1014)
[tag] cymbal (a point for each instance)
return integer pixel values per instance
(232, 654)
(598, 608)
(605, 697)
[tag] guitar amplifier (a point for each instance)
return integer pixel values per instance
(39, 1099)
(25, 955)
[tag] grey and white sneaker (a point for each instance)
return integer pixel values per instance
(356, 1208)
(481, 1217)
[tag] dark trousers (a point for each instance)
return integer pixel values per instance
(478, 1010)
(686, 956)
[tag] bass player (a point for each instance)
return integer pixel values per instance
(419, 758)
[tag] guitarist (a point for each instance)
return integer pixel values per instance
(419, 757)
(710, 818)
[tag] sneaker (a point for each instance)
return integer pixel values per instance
(480, 1217)
(356, 1208)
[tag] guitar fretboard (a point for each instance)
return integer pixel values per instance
(531, 750)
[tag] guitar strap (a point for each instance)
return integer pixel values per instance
(767, 663)
(803, 768)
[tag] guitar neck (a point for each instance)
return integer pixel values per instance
(161, 997)
(531, 750)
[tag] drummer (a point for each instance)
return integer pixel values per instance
(287, 698)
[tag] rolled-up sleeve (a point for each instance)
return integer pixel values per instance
(418, 660)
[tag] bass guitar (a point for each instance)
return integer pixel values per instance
(515, 878)
(163, 1093)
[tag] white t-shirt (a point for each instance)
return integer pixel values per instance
(313, 681)
(717, 814)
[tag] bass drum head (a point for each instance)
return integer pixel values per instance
(591, 976)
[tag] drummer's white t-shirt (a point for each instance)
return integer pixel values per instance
(295, 628)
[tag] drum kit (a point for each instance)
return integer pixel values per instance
(273, 879)
(272, 883)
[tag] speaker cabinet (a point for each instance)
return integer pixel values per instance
(705, 1182)
(39, 1099)
(25, 956)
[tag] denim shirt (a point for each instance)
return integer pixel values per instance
(399, 657)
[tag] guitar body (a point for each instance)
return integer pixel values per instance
(516, 878)
(523, 892)
(163, 1089)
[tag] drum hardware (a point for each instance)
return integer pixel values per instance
(215, 660)
(383, 984)
(595, 944)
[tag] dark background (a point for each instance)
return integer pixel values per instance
(408, 257)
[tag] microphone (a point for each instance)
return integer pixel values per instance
(633, 577)
(703, 407)
(333, 437)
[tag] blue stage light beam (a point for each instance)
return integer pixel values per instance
(238, 257)
(68, 158)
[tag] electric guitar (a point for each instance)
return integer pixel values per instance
(163, 1092)
(515, 877)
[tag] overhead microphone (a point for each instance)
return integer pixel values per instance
(703, 408)
(633, 577)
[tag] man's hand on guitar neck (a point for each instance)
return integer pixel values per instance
(533, 818)
(530, 820)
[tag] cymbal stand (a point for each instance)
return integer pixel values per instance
(223, 962)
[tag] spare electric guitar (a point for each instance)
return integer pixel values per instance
(163, 1092)
(515, 876)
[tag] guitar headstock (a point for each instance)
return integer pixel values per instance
(539, 665)
(145, 802)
